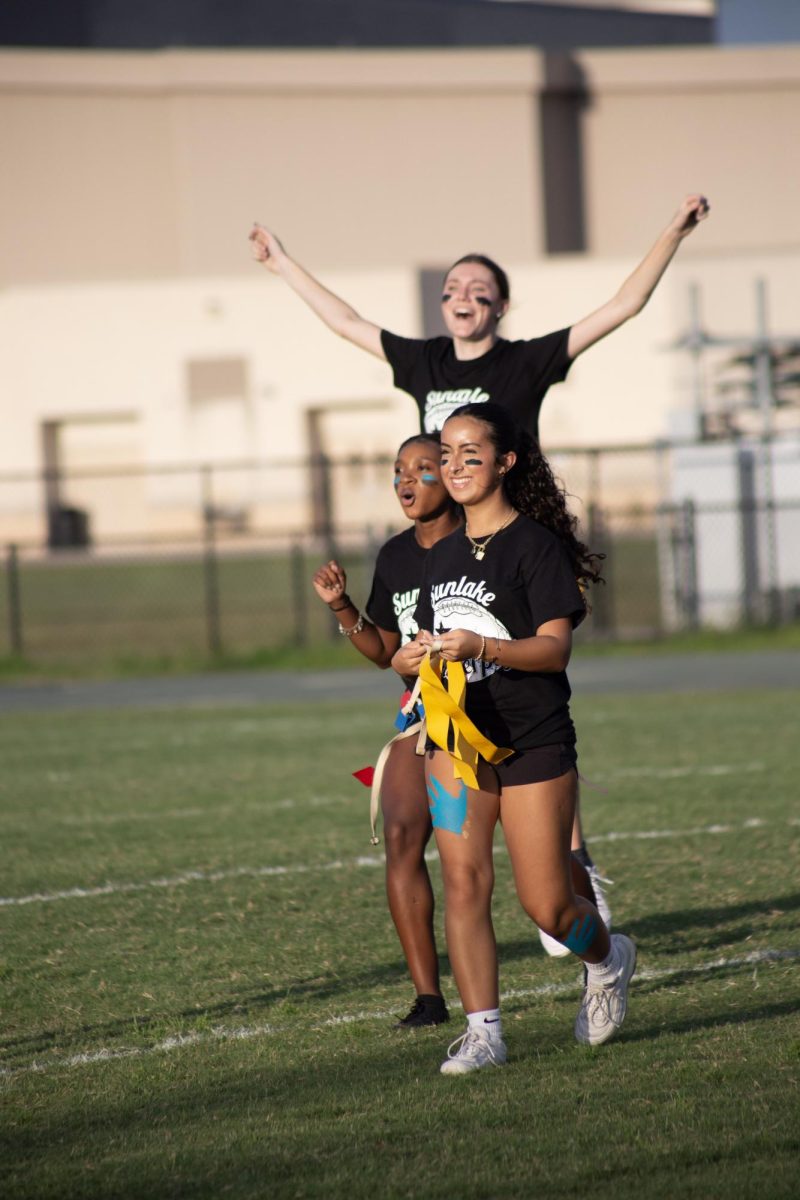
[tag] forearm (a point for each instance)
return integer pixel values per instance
(540, 653)
(335, 312)
(637, 289)
(366, 639)
(641, 283)
(339, 316)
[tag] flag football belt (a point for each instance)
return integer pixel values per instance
(409, 724)
(448, 725)
(445, 722)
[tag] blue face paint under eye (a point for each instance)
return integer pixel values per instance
(429, 479)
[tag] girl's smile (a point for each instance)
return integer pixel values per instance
(471, 303)
(470, 468)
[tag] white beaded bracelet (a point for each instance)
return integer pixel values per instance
(359, 625)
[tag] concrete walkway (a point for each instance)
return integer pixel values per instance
(589, 675)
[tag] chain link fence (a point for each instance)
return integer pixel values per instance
(185, 562)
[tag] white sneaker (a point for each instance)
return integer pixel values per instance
(599, 895)
(603, 1006)
(473, 1050)
(554, 949)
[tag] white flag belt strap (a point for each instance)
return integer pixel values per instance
(417, 728)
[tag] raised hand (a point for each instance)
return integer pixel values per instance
(330, 582)
(693, 210)
(266, 247)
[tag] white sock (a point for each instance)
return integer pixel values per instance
(488, 1020)
(606, 969)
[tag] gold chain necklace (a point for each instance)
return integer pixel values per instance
(480, 550)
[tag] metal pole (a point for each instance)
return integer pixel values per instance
(299, 595)
(765, 400)
(14, 601)
(690, 581)
(210, 566)
(696, 352)
(599, 538)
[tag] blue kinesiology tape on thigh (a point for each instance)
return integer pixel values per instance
(447, 812)
(581, 935)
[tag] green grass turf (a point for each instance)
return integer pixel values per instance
(238, 1025)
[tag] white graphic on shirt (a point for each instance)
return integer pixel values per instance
(462, 612)
(404, 604)
(439, 405)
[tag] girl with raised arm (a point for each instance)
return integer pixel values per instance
(474, 364)
(380, 636)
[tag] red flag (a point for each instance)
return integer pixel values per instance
(365, 775)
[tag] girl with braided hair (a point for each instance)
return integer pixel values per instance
(498, 603)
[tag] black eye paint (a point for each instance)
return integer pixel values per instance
(484, 301)
(447, 296)
(473, 462)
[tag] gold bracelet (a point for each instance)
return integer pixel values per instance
(482, 649)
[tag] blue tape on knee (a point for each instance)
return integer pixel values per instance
(447, 812)
(581, 935)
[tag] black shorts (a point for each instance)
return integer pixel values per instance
(537, 765)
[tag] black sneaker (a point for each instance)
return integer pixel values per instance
(426, 1010)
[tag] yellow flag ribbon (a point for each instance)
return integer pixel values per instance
(445, 715)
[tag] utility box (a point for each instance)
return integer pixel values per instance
(67, 528)
(729, 534)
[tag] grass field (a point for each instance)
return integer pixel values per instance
(199, 972)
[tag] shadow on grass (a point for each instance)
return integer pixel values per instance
(677, 924)
(251, 1003)
(278, 1127)
(745, 1015)
(258, 1003)
(241, 1107)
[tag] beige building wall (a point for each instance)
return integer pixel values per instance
(134, 165)
(130, 309)
(722, 120)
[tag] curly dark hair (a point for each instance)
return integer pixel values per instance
(532, 488)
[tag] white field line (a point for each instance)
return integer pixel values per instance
(367, 860)
(80, 819)
(192, 813)
(686, 771)
(222, 1033)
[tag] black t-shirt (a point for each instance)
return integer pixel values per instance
(513, 374)
(525, 580)
(395, 585)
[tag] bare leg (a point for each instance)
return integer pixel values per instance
(464, 822)
(537, 823)
(407, 830)
(577, 827)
